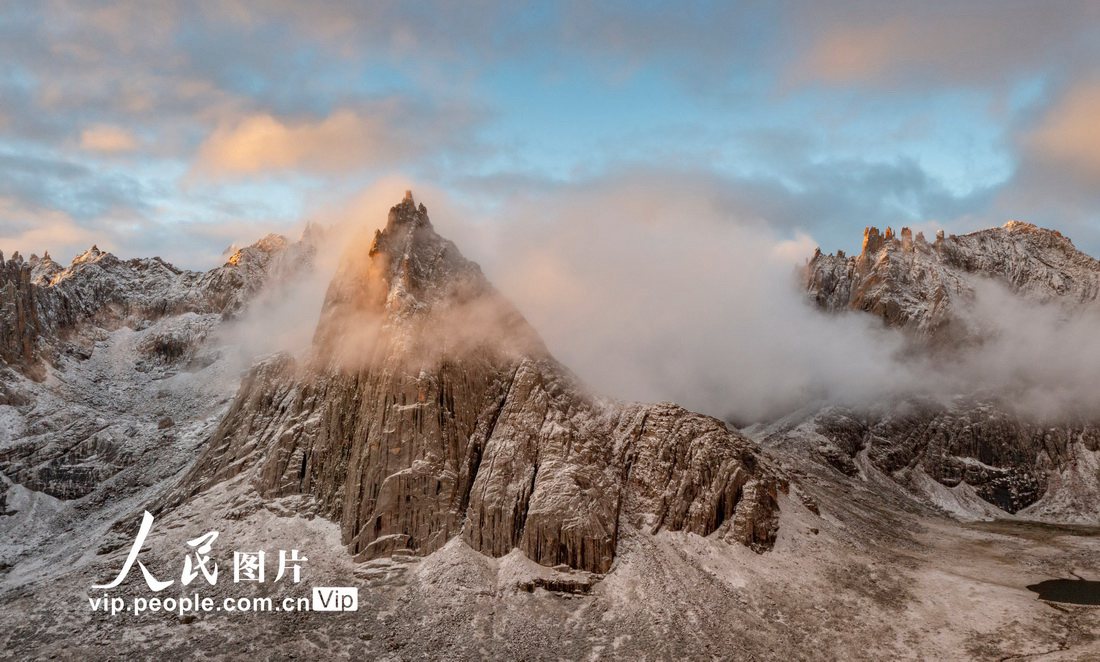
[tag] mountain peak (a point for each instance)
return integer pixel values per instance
(262, 250)
(874, 241)
(1040, 234)
(1020, 226)
(410, 278)
(411, 263)
(406, 214)
(430, 409)
(92, 255)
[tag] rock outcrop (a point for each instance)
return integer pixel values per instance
(429, 408)
(920, 286)
(67, 317)
(980, 447)
(20, 326)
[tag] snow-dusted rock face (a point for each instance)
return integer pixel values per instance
(977, 444)
(41, 302)
(109, 347)
(430, 409)
(919, 285)
(970, 446)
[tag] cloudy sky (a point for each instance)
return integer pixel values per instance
(177, 128)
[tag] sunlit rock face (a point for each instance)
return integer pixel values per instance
(430, 409)
(970, 450)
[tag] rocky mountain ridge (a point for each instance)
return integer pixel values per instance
(91, 356)
(974, 455)
(40, 300)
(430, 410)
(921, 286)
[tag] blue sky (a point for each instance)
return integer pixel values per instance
(180, 128)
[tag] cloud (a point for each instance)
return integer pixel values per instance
(330, 95)
(388, 133)
(848, 54)
(34, 230)
(1043, 357)
(30, 228)
(1056, 183)
(1066, 136)
(824, 198)
(659, 288)
(261, 143)
(365, 210)
(110, 139)
(984, 43)
(662, 288)
(50, 180)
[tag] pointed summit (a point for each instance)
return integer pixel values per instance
(410, 277)
(44, 269)
(407, 267)
(93, 254)
(405, 217)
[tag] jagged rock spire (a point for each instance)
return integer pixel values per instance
(405, 272)
(872, 240)
(433, 411)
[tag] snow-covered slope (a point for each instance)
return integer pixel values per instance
(459, 438)
(113, 375)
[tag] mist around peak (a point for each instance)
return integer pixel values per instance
(655, 291)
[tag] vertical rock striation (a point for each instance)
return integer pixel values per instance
(19, 322)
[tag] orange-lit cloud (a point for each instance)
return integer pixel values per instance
(855, 53)
(262, 143)
(1068, 135)
(985, 43)
(364, 205)
(105, 138)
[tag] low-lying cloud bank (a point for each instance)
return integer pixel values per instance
(663, 290)
(1044, 357)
